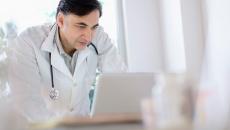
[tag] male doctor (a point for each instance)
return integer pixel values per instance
(52, 67)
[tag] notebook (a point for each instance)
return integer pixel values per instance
(121, 92)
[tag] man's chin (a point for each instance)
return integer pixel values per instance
(81, 47)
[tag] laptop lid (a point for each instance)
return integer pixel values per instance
(121, 92)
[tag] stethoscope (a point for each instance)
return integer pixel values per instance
(54, 93)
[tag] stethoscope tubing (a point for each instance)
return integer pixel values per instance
(51, 67)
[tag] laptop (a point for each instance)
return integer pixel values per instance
(117, 93)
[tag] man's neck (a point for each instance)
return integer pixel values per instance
(69, 50)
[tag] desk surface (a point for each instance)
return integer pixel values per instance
(127, 126)
(102, 122)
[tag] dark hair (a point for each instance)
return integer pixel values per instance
(79, 7)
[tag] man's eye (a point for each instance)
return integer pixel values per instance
(94, 27)
(82, 27)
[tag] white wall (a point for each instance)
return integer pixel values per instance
(154, 35)
(216, 68)
(172, 36)
(193, 29)
(142, 35)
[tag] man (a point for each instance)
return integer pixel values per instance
(52, 67)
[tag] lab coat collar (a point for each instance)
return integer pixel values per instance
(48, 44)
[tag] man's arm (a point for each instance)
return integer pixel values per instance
(25, 81)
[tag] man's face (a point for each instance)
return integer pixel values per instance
(76, 32)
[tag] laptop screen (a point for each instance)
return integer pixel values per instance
(121, 92)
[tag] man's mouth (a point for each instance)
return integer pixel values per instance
(84, 43)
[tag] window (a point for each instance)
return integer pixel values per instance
(25, 13)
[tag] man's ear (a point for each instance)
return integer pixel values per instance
(60, 19)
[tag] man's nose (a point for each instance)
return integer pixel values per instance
(88, 35)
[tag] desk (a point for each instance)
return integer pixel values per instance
(127, 126)
(101, 122)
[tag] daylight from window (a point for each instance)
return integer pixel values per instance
(15, 16)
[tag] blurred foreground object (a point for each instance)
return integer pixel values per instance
(10, 119)
(4, 87)
(169, 107)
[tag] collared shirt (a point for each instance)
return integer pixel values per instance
(69, 61)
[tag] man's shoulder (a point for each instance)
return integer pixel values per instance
(33, 36)
(100, 30)
(37, 31)
(100, 35)
(101, 39)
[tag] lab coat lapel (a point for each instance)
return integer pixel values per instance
(48, 44)
(83, 54)
(56, 60)
(58, 63)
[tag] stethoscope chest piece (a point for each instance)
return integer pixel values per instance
(54, 94)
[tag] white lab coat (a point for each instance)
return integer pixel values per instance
(30, 77)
